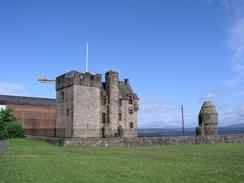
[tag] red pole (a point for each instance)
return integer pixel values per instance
(182, 120)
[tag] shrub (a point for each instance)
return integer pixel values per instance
(9, 128)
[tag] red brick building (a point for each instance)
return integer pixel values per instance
(36, 115)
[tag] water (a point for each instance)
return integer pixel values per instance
(153, 132)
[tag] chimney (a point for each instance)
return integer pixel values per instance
(126, 81)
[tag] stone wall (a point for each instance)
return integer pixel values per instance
(128, 118)
(64, 111)
(142, 141)
(50, 140)
(153, 141)
(86, 114)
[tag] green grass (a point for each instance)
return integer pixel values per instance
(31, 161)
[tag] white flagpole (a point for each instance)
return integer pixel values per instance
(86, 57)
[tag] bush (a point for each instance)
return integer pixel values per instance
(9, 128)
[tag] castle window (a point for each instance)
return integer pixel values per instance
(104, 100)
(92, 78)
(131, 125)
(130, 99)
(103, 117)
(67, 112)
(120, 102)
(207, 116)
(62, 96)
(131, 111)
(120, 116)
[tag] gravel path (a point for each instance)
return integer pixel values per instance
(3, 146)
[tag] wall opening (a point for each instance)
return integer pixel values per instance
(103, 117)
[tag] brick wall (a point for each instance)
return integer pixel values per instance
(37, 120)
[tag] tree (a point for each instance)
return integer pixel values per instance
(9, 128)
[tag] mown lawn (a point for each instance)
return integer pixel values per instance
(32, 161)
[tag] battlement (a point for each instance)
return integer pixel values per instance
(88, 107)
(78, 78)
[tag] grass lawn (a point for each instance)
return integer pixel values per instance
(32, 161)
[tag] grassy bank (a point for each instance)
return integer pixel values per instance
(31, 161)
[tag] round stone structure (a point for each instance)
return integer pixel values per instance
(207, 120)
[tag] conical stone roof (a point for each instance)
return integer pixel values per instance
(208, 108)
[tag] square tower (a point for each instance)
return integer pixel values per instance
(78, 105)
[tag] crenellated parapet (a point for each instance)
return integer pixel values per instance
(77, 78)
(88, 107)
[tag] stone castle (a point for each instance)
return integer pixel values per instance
(88, 107)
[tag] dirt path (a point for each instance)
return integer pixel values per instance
(3, 146)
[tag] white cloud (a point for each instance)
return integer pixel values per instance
(208, 96)
(235, 9)
(237, 45)
(168, 121)
(222, 105)
(155, 105)
(233, 82)
(156, 112)
(236, 116)
(10, 88)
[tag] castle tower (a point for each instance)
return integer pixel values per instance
(78, 105)
(88, 107)
(112, 90)
(207, 120)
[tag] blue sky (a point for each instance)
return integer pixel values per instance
(174, 52)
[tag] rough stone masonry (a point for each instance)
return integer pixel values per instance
(87, 107)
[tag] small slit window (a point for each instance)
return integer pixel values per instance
(131, 125)
(62, 96)
(130, 99)
(120, 116)
(104, 101)
(67, 112)
(131, 111)
(120, 102)
(103, 117)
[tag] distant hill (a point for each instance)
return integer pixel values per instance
(240, 125)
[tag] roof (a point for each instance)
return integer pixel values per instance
(33, 101)
(208, 108)
(125, 90)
